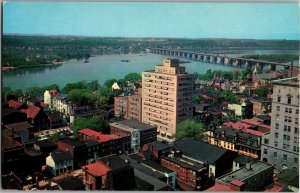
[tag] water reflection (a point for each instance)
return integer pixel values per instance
(31, 70)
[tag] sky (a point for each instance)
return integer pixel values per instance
(154, 19)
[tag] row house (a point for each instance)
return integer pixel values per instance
(61, 104)
(219, 160)
(109, 143)
(59, 162)
(140, 133)
(109, 173)
(83, 152)
(48, 97)
(191, 175)
(243, 141)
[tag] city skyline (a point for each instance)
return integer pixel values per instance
(154, 19)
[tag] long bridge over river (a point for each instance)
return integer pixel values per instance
(219, 59)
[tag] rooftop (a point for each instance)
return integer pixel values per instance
(293, 82)
(32, 111)
(97, 169)
(132, 125)
(199, 150)
(19, 126)
(100, 137)
(114, 161)
(158, 185)
(242, 159)
(244, 173)
(246, 128)
(70, 183)
(14, 104)
(186, 163)
(288, 177)
(60, 156)
(73, 143)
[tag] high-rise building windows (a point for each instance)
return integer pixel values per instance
(285, 157)
(289, 100)
(278, 99)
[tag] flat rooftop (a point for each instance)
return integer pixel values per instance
(131, 125)
(244, 173)
(293, 82)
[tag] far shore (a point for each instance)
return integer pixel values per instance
(6, 68)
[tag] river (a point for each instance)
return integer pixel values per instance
(101, 68)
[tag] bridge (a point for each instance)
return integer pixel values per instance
(218, 59)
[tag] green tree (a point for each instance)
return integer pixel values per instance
(132, 77)
(97, 123)
(80, 96)
(262, 91)
(52, 87)
(109, 83)
(228, 95)
(77, 85)
(189, 128)
(196, 99)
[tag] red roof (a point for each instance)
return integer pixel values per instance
(13, 104)
(98, 135)
(219, 188)
(261, 126)
(275, 188)
(243, 127)
(97, 169)
(237, 182)
(53, 93)
(32, 111)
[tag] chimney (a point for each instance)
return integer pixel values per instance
(248, 166)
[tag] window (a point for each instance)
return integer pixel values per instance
(277, 108)
(296, 120)
(266, 141)
(277, 126)
(284, 157)
(278, 99)
(297, 111)
(276, 143)
(289, 100)
(296, 130)
(294, 148)
(277, 117)
(265, 151)
(275, 154)
(276, 135)
(295, 160)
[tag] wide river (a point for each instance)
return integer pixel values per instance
(101, 68)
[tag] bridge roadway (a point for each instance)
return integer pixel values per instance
(218, 59)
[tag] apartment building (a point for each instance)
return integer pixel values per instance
(167, 97)
(281, 146)
(129, 107)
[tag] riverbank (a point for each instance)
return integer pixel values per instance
(6, 68)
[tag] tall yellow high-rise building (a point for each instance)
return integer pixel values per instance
(167, 97)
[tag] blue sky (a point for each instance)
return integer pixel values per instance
(154, 19)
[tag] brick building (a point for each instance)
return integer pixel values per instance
(140, 133)
(191, 175)
(253, 177)
(109, 143)
(167, 97)
(128, 107)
